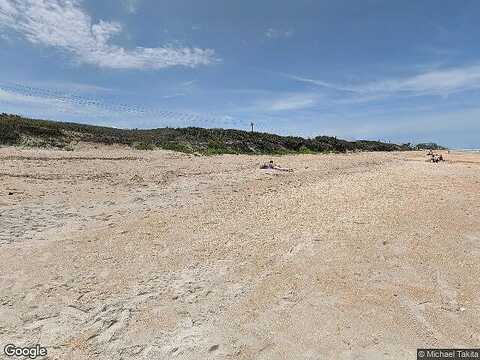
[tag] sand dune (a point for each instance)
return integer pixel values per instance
(112, 253)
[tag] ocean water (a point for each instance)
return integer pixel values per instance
(466, 150)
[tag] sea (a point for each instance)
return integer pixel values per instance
(466, 150)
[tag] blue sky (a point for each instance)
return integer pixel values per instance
(402, 71)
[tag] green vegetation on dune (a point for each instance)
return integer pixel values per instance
(429, 146)
(17, 130)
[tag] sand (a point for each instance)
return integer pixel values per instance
(112, 253)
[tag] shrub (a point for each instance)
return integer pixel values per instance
(15, 130)
(143, 146)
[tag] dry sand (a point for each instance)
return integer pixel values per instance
(112, 253)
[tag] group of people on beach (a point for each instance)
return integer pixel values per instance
(435, 158)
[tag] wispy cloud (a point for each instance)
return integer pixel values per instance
(409, 127)
(171, 96)
(318, 83)
(131, 5)
(438, 82)
(38, 106)
(68, 87)
(188, 84)
(291, 102)
(6, 38)
(261, 103)
(49, 104)
(64, 24)
(267, 102)
(442, 82)
(273, 33)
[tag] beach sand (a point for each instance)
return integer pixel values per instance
(111, 253)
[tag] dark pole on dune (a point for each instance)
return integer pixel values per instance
(252, 124)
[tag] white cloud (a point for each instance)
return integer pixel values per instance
(188, 84)
(64, 25)
(317, 82)
(441, 82)
(272, 33)
(287, 102)
(173, 96)
(438, 82)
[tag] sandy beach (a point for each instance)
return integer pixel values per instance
(111, 253)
